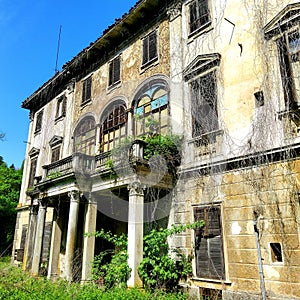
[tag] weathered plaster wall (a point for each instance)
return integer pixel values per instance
(132, 75)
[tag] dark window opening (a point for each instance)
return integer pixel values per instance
(289, 57)
(61, 107)
(209, 294)
(86, 90)
(204, 105)
(55, 154)
(33, 165)
(114, 71)
(113, 128)
(209, 243)
(276, 253)
(39, 120)
(199, 15)
(149, 48)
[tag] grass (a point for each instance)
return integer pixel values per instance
(18, 285)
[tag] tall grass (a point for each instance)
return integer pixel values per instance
(18, 285)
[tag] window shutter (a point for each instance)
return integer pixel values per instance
(216, 257)
(110, 80)
(58, 108)
(117, 69)
(152, 45)
(64, 107)
(145, 50)
(202, 259)
(213, 221)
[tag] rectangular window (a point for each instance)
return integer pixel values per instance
(204, 104)
(199, 15)
(276, 252)
(149, 48)
(114, 71)
(55, 154)
(209, 244)
(86, 90)
(39, 120)
(33, 165)
(61, 107)
(289, 56)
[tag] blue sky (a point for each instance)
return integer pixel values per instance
(28, 43)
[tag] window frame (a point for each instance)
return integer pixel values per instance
(61, 107)
(195, 25)
(150, 90)
(39, 121)
(114, 72)
(86, 91)
(202, 105)
(32, 171)
(88, 144)
(210, 233)
(113, 121)
(147, 58)
(276, 31)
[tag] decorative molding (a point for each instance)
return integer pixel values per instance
(200, 64)
(136, 187)
(55, 141)
(284, 20)
(34, 152)
(74, 196)
(174, 11)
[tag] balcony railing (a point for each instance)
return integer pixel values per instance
(77, 162)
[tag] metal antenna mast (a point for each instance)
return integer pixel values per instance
(57, 51)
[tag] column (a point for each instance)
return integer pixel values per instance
(53, 271)
(135, 232)
(89, 241)
(28, 251)
(37, 250)
(71, 233)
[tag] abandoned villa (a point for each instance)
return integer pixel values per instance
(223, 76)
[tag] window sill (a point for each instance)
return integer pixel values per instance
(201, 30)
(203, 138)
(113, 86)
(86, 103)
(59, 119)
(217, 281)
(149, 64)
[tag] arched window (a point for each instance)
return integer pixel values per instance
(151, 109)
(113, 126)
(84, 136)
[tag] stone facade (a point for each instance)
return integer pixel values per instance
(224, 75)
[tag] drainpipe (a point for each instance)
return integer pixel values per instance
(261, 273)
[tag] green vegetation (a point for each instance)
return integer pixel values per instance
(10, 184)
(158, 270)
(18, 285)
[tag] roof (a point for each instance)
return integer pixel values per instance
(142, 15)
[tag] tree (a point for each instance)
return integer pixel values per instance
(10, 183)
(2, 135)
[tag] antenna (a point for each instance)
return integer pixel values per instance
(57, 51)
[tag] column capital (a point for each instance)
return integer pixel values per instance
(34, 209)
(136, 187)
(42, 203)
(74, 196)
(174, 10)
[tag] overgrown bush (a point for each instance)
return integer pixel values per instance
(111, 265)
(158, 269)
(161, 267)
